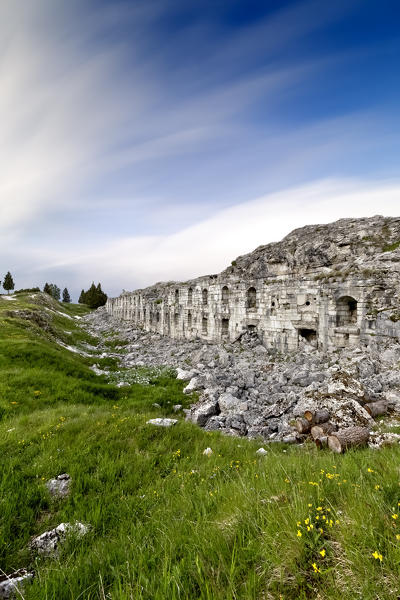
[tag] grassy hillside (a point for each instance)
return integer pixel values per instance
(166, 521)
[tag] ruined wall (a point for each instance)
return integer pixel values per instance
(290, 293)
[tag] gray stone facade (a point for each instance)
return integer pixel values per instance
(330, 286)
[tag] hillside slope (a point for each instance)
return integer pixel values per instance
(167, 521)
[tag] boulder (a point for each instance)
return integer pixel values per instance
(48, 543)
(227, 402)
(202, 413)
(60, 486)
(12, 586)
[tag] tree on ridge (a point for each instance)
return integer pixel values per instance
(8, 283)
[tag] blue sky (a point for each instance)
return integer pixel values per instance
(159, 140)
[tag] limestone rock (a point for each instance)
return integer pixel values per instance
(60, 486)
(192, 386)
(261, 452)
(184, 375)
(160, 422)
(227, 402)
(204, 411)
(48, 543)
(207, 452)
(12, 586)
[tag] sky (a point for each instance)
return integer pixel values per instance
(158, 140)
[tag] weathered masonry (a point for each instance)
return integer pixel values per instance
(329, 286)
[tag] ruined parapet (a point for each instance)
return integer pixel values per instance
(333, 285)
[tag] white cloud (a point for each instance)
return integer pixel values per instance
(209, 246)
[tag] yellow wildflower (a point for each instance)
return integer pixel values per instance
(370, 470)
(306, 521)
(322, 552)
(319, 508)
(377, 556)
(316, 569)
(299, 534)
(395, 516)
(398, 536)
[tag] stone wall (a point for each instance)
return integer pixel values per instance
(289, 293)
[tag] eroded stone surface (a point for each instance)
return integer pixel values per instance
(269, 368)
(48, 543)
(59, 487)
(327, 286)
(162, 422)
(12, 586)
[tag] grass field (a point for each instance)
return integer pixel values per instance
(166, 521)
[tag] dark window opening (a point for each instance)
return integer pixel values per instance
(346, 311)
(308, 303)
(251, 297)
(225, 295)
(204, 325)
(189, 320)
(251, 328)
(190, 296)
(176, 319)
(204, 294)
(176, 295)
(309, 335)
(225, 326)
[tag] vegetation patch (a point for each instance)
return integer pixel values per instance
(167, 521)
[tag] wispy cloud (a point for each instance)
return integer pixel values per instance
(121, 134)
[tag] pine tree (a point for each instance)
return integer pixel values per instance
(94, 297)
(8, 283)
(47, 289)
(55, 291)
(65, 296)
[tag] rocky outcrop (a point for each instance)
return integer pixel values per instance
(244, 389)
(326, 286)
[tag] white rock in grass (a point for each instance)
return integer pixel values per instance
(207, 452)
(60, 486)
(162, 422)
(47, 543)
(261, 452)
(11, 586)
(183, 375)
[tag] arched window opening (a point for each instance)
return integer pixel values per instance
(251, 297)
(176, 319)
(204, 294)
(190, 296)
(204, 325)
(346, 311)
(176, 295)
(225, 295)
(190, 320)
(225, 327)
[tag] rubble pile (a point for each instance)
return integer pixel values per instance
(243, 389)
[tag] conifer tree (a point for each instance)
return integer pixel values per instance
(8, 283)
(47, 289)
(94, 297)
(55, 291)
(65, 296)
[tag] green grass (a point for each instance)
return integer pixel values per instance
(166, 521)
(391, 247)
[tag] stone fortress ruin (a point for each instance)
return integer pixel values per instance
(330, 286)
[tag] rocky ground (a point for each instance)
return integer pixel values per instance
(245, 390)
